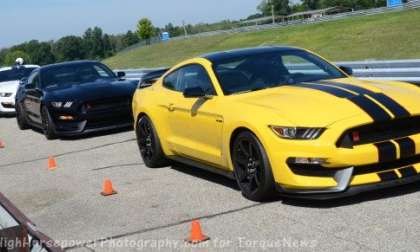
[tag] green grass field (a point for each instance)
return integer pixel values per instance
(385, 36)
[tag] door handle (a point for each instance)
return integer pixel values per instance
(171, 107)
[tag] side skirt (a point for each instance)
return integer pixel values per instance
(205, 167)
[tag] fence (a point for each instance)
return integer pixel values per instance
(400, 70)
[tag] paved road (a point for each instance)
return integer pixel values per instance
(154, 207)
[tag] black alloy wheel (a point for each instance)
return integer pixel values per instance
(20, 118)
(149, 144)
(252, 168)
(47, 124)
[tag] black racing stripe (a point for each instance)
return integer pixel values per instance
(386, 152)
(372, 109)
(394, 107)
(368, 106)
(407, 147)
(387, 176)
(330, 90)
(407, 171)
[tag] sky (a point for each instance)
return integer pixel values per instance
(23, 20)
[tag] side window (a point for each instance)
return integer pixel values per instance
(171, 80)
(195, 76)
(101, 72)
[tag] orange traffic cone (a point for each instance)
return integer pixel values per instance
(52, 164)
(2, 145)
(196, 235)
(108, 189)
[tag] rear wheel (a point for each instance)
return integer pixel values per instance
(47, 124)
(20, 118)
(149, 144)
(252, 167)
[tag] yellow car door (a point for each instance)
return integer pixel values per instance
(195, 124)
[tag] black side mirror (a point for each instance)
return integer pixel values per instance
(29, 86)
(194, 92)
(23, 81)
(121, 74)
(347, 70)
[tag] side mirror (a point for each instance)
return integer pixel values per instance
(194, 92)
(29, 86)
(121, 74)
(347, 70)
(23, 81)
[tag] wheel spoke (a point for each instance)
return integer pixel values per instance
(243, 149)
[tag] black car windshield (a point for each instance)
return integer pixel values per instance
(270, 69)
(75, 74)
(16, 73)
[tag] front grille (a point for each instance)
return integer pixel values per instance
(378, 132)
(8, 105)
(108, 104)
(320, 171)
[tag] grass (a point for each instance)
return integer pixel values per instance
(384, 36)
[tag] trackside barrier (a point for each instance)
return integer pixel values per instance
(399, 70)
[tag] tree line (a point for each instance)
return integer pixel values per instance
(93, 44)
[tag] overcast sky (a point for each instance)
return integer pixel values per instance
(23, 20)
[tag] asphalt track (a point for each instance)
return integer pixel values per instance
(154, 207)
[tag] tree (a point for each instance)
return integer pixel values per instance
(69, 48)
(145, 29)
(311, 4)
(281, 7)
(41, 54)
(130, 39)
(11, 57)
(93, 43)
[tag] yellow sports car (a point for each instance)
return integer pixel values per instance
(281, 119)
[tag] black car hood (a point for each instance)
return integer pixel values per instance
(90, 91)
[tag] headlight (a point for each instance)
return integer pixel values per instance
(297, 132)
(67, 104)
(2, 94)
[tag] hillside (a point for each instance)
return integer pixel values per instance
(385, 36)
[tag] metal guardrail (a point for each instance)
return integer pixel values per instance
(399, 70)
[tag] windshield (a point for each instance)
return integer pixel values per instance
(265, 70)
(75, 74)
(15, 73)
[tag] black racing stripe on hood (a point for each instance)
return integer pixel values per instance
(369, 107)
(394, 107)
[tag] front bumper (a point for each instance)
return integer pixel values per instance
(85, 122)
(7, 105)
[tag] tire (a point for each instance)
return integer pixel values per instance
(149, 144)
(252, 168)
(47, 124)
(20, 118)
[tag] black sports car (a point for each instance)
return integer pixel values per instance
(74, 98)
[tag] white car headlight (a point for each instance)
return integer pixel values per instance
(4, 94)
(67, 104)
(300, 133)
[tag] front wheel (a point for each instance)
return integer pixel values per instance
(252, 168)
(47, 124)
(149, 144)
(20, 118)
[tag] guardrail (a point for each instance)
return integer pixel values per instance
(400, 70)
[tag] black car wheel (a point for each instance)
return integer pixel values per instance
(47, 124)
(149, 144)
(20, 118)
(252, 168)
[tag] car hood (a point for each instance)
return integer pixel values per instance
(9, 86)
(91, 91)
(307, 105)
